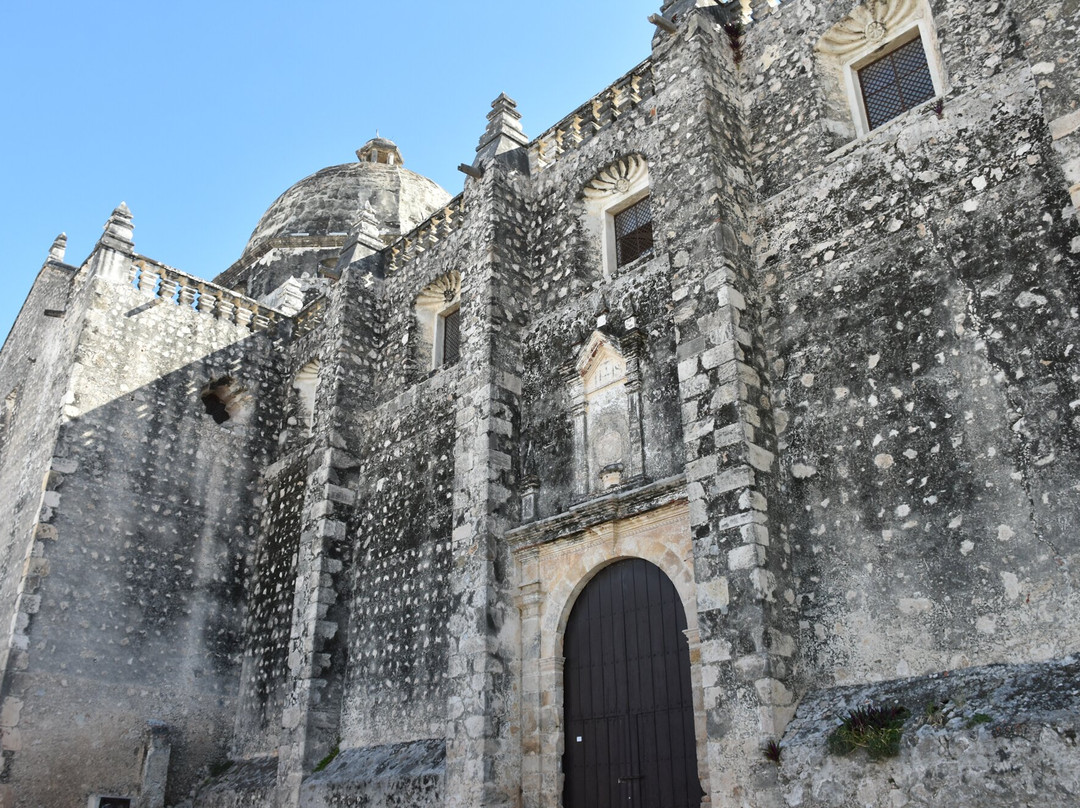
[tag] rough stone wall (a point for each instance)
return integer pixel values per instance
(571, 298)
(34, 370)
(930, 456)
(403, 358)
(1047, 32)
(856, 376)
(745, 642)
(1001, 736)
(272, 586)
(397, 653)
(268, 622)
(483, 738)
(380, 777)
(150, 525)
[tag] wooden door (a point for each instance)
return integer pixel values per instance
(629, 718)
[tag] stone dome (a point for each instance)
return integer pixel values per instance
(329, 201)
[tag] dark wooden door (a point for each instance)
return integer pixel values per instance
(629, 711)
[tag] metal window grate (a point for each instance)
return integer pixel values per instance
(451, 347)
(633, 232)
(895, 83)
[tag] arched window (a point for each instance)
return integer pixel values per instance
(438, 321)
(880, 61)
(226, 400)
(619, 212)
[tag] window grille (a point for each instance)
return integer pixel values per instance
(895, 83)
(633, 232)
(451, 344)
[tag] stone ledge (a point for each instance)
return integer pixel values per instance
(617, 505)
(998, 735)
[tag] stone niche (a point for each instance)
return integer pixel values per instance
(605, 394)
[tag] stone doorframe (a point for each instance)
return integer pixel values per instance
(551, 573)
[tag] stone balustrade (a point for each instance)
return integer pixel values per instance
(428, 233)
(172, 286)
(625, 94)
(310, 317)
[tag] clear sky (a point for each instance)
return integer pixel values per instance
(199, 114)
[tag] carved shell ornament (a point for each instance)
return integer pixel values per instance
(308, 374)
(867, 24)
(441, 292)
(618, 177)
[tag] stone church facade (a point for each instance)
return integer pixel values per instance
(743, 397)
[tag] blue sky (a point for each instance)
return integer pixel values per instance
(199, 114)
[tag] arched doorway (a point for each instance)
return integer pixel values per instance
(629, 717)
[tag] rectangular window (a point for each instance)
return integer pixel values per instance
(633, 232)
(451, 337)
(113, 802)
(895, 83)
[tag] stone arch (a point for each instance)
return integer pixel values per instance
(590, 561)
(622, 732)
(552, 575)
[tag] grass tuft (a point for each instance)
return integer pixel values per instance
(875, 729)
(219, 768)
(326, 761)
(772, 751)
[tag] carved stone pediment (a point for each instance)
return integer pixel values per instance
(601, 363)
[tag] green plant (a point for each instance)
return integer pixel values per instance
(326, 761)
(935, 715)
(772, 751)
(875, 729)
(979, 718)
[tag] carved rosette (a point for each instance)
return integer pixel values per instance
(441, 293)
(618, 177)
(867, 25)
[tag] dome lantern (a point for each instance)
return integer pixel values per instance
(380, 150)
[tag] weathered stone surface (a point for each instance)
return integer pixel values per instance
(396, 774)
(833, 398)
(1002, 735)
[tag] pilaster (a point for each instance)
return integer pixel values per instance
(725, 404)
(483, 766)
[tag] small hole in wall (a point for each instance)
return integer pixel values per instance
(223, 399)
(215, 408)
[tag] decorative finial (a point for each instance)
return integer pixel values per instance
(59, 247)
(503, 132)
(119, 230)
(367, 223)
